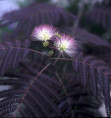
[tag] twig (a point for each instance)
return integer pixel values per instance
(79, 15)
(68, 59)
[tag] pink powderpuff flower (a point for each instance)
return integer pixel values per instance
(66, 45)
(43, 32)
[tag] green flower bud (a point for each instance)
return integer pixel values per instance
(57, 34)
(51, 53)
(46, 43)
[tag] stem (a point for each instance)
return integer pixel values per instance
(19, 106)
(65, 92)
(56, 59)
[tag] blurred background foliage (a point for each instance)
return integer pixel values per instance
(77, 7)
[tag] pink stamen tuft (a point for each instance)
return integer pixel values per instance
(66, 45)
(43, 32)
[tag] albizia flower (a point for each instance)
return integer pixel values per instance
(43, 32)
(66, 45)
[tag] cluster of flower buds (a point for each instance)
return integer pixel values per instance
(63, 43)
